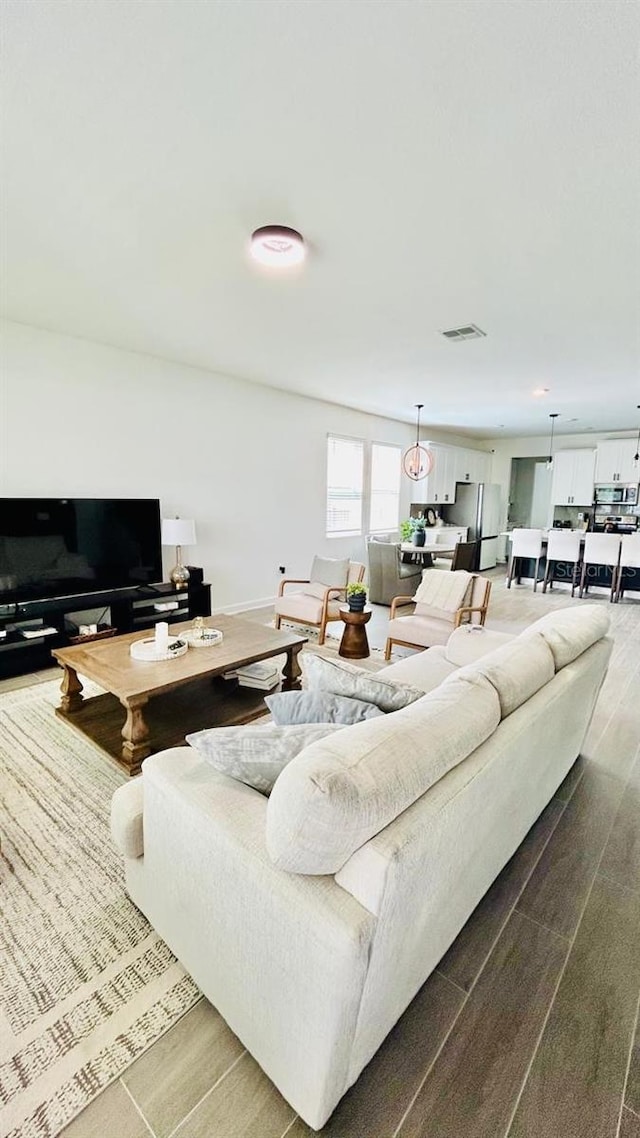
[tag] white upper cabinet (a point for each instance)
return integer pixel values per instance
(614, 462)
(471, 465)
(573, 477)
(440, 485)
(450, 465)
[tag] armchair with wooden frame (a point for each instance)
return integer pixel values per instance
(317, 604)
(428, 626)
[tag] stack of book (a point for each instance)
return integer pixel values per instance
(264, 675)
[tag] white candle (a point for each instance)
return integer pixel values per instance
(162, 636)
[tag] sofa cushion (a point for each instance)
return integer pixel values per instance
(424, 670)
(516, 670)
(341, 678)
(420, 630)
(330, 571)
(341, 791)
(256, 754)
(569, 632)
(318, 707)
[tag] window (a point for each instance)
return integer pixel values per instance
(345, 469)
(385, 488)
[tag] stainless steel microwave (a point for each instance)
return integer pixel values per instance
(627, 495)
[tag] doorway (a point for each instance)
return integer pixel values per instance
(529, 493)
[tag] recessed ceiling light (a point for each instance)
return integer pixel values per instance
(277, 246)
(538, 391)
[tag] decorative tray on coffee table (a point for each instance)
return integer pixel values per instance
(202, 637)
(149, 651)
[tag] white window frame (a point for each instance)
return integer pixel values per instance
(394, 526)
(361, 443)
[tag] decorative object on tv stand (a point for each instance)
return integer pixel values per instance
(553, 416)
(417, 460)
(356, 596)
(179, 532)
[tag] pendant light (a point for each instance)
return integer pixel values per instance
(553, 416)
(417, 461)
(636, 457)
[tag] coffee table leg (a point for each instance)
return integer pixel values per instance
(135, 735)
(292, 670)
(71, 690)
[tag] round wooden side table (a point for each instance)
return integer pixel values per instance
(354, 644)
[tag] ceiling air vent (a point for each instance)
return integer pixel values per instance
(468, 332)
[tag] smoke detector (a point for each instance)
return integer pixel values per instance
(467, 332)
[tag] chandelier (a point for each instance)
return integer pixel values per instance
(417, 461)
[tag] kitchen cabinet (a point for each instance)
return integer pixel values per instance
(573, 477)
(471, 465)
(452, 534)
(440, 485)
(450, 465)
(614, 461)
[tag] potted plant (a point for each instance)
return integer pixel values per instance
(406, 530)
(356, 596)
(418, 527)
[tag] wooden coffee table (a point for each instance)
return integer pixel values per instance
(166, 700)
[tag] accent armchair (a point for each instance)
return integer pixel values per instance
(316, 604)
(429, 625)
(387, 573)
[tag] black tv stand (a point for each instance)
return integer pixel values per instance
(132, 609)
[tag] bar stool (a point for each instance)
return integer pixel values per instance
(629, 559)
(563, 546)
(600, 549)
(525, 543)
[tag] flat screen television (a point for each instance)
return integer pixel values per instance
(66, 546)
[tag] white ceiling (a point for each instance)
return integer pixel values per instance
(448, 162)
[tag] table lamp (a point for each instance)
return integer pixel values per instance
(179, 532)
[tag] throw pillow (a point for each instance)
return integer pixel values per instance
(330, 571)
(344, 789)
(318, 707)
(322, 674)
(256, 754)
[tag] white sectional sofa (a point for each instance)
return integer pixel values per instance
(310, 919)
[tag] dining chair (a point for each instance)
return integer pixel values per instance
(525, 543)
(600, 549)
(629, 559)
(465, 556)
(563, 548)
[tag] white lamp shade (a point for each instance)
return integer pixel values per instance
(178, 531)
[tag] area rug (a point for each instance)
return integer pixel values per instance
(86, 984)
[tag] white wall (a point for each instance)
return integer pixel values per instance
(246, 461)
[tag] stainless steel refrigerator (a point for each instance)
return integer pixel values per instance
(477, 506)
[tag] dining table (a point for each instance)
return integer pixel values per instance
(425, 553)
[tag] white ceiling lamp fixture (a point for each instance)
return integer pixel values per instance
(277, 246)
(417, 461)
(553, 416)
(636, 457)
